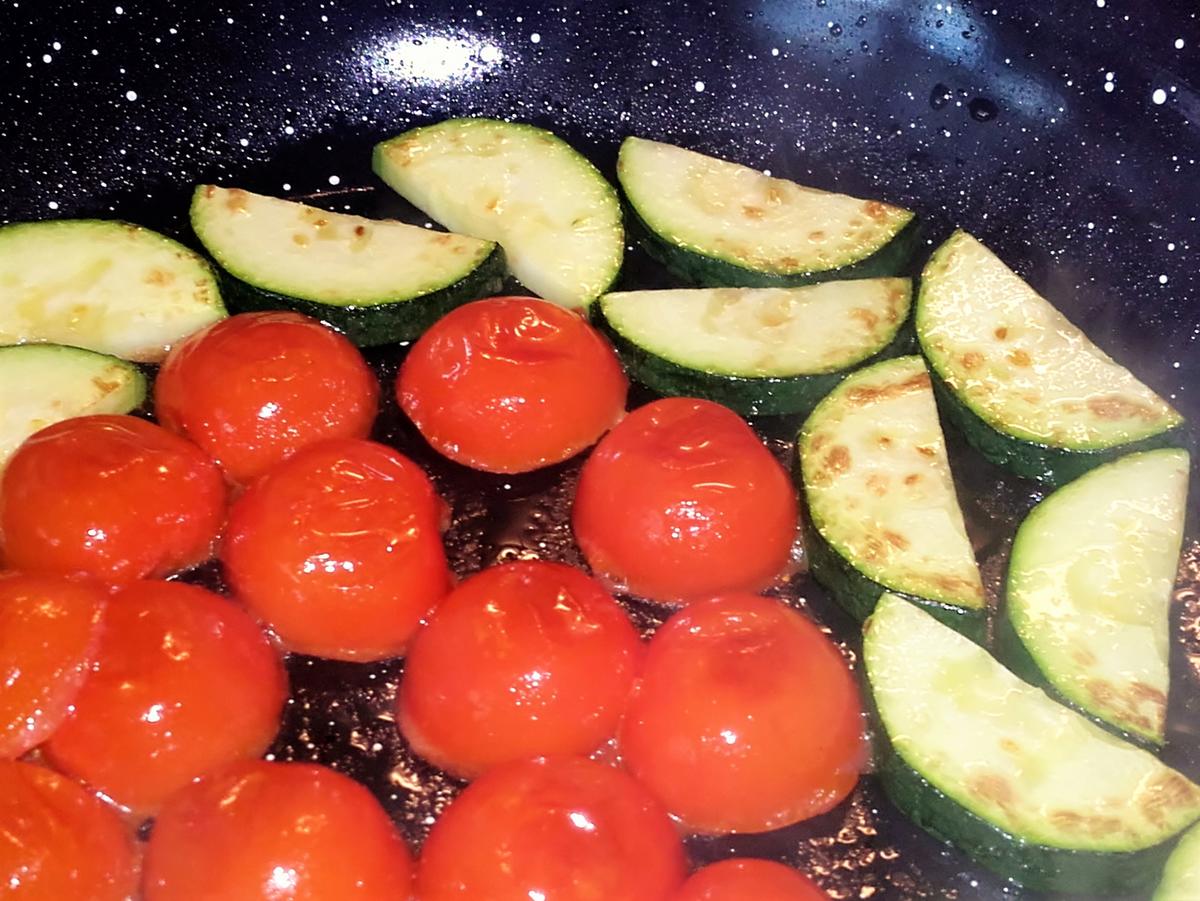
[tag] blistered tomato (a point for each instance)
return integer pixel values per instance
(748, 879)
(563, 829)
(184, 682)
(522, 660)
(747, 718)
(512, 384)
(280, 831)
(49, 632)
(256, 387)
(58, 842)
(339, 549)
(114, 497)
(682, 501)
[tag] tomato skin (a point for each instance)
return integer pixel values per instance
(561, 829)
(283, 831)
(254, 388)
(49, 634)
(512, 384)
(747, 718)
(682, 501)
(57, 841)
(339, 549)
(185, 682)
(113, 497)
(521, 660)
(742, 879)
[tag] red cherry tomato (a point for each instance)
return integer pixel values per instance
(256, 387)
(681, 501)
(49, 632)
(747, 718)
(743, 879)
(279, 831)
(113, 497)
(184, 683)
(562, 829)
(339, 549)
(522, 660)
(59, 842)
(512, 384)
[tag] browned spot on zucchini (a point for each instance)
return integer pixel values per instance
(235, 200)
(1083, 657)
(956, 585)
(878, 483)
(105, 386)
(816, 235)
(885, 441)
(861, 395)
(926, 451)
(443, 238)
(320, 223)
(300, 239)
(360, 230)
(774, 195)
(837, 461)
(1086, 823)
(1001, 333)
(492, 205)
(1167, 792)
(752, 212)
(972, 359)
(993, 787)
(159, 277)
(210, 190)
(403, 152)
(789, 263)
(875, 209)
(1125, 704)
(1020, 358)
(896, 540)
(1007, 744)
(866, 317)
(818, 441)
(1113, 407)
(912, 478)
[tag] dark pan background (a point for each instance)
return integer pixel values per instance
(1037, 126)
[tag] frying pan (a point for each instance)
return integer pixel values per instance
(1064, 135)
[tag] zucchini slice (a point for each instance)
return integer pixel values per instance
(1027, 387)
(376, 281)
(1089, 589)
(111, 287)
(557, 218)
(714, 222)
(757, 350)
(1181, 876)
(1025, 786)
(41, 384)
(883, 513)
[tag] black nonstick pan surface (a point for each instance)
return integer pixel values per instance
(1065, 135)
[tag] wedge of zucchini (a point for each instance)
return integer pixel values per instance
(1089, 590)
(376, 281)
(1025, 786)
(757, 350)
(1181, 876)
(1028, 388)
(41, 384)
(883, 513)
(717, 223)
(557, 218)
(111, 287)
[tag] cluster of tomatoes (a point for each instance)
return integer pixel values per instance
(127, 696)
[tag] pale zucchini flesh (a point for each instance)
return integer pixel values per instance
(107, 286)
(557, 219)
(1181, 876)
(1090, 583)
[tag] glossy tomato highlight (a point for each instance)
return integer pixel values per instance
(114, 497)
(511, 384)
(747, 718)
(522, 660)
(748, 879)
(254, 388)
(339, 548)
(682, 501)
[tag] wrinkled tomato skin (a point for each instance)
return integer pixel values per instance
(512, 384)
(682, 501)
(560, 829)
(49, 635)
(184, 683)
(279, 831)
(339, 549)
(113, 497)
(522, 660)
(748, 879)
(747, 717)
(58, 842)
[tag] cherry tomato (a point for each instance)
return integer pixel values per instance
(256, 387)
(114, 497)
(279, 831)
(743, 879)
(512, 384)
(559, 829)
(184, 683)
(49, 632)
(59, 842)
(682, 501)
(339, 549)
(747, 718)
(522, 660)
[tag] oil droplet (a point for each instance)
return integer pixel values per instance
(982, 109)
(939, 96)
(835, 29)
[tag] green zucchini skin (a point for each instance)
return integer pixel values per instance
(371, 325)
(894, 258)
(1049, 465)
